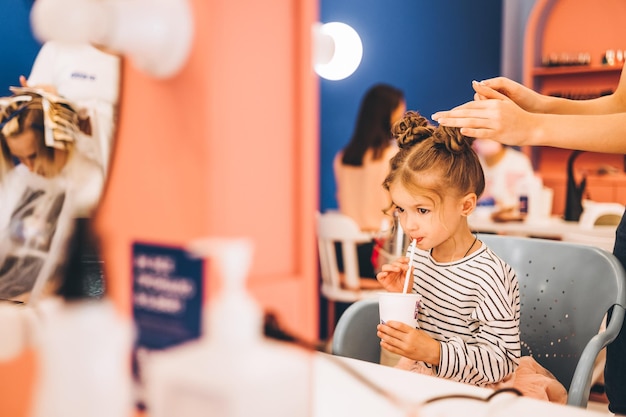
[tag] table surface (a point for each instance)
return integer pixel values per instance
(338, 393)
(552, 227)
(343, 387)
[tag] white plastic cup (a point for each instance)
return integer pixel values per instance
(540, 205)
(402, 307)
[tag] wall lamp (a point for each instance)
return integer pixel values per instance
(337, 50)
(156, 35)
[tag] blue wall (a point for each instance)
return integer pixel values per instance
(18, 47)
(432, 50)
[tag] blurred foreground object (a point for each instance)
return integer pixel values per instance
(155, 34)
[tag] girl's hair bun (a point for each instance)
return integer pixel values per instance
(412, 129)
(452, 139)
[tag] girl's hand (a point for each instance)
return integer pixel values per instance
(404, 340)
(392, 275)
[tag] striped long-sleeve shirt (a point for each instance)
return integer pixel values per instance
(472, 307)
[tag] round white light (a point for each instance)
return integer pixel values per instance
(346, 51)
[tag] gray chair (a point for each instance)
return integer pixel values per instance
(355, 333)
(565, 289)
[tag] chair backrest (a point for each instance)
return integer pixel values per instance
(565, 291)
(336, 227)
(355, 334)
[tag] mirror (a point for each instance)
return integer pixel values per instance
(57, 128)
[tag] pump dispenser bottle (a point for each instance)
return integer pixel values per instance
(83, 347)
(232, 370)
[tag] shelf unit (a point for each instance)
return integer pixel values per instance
(572, 27)
(575, 70)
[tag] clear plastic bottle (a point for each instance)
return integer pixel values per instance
(529, 195)
(83, 346)
(233, 370)
(84, 349)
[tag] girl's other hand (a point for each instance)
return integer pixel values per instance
(392, 275)
(404, 340)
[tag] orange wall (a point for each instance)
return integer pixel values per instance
(228, 147)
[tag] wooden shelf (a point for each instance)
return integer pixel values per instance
(575, 69)
(556, 26)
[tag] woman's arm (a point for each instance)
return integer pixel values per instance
(591, 125)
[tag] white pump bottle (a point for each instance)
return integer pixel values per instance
(233, 370)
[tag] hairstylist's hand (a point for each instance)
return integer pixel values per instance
(392, 275)
(49, 88)
(404, 340)
(524, 97)
(494, 116)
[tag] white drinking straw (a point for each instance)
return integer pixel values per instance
(408, 271)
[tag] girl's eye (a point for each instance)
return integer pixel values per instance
(399, 210)
(423, 211)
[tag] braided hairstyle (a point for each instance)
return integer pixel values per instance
(436, 161)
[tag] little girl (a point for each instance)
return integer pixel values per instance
(470, 311)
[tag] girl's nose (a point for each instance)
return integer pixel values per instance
(410, 225)
(30, 164)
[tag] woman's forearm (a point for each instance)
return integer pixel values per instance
(598, 133)
(613, 103)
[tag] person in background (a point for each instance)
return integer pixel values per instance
(38, 134)
(469, 314)
(88, 76)
(508, 112)
(361, 166)
(44, 183)
(505, 169)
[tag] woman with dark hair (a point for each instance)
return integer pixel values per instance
(361, 167)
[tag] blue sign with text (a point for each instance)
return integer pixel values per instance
(167, 295)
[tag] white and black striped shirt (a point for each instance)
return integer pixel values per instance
(472, 307)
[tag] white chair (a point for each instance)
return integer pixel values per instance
(347, 286)
(595, 213)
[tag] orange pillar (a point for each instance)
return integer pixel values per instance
(226, 148)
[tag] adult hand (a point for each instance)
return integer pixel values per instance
(493, 116)
(524, 97)
(45, 87)
(404, 340)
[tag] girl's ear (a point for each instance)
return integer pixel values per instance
(468, 204)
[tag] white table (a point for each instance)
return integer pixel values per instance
(549, 228)
(338, 393)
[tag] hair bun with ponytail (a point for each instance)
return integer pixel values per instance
(412, 129)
